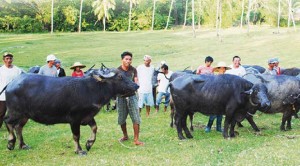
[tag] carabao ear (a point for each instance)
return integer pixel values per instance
(102, 74)
(98, 78)
(107, 73)
(197, 78)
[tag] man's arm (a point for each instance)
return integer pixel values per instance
(136, 80)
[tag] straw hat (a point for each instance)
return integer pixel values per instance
(221, 64)
(77, 64)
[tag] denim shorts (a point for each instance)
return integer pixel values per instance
(145, 98)
(128, 105)
(159, 98)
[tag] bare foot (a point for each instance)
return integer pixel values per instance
(123, 139)
(138, 143)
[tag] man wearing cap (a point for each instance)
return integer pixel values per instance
(7, 73)
(270, 70)
(59, 69)
(145, 73)
(49, 69)
(129, 105)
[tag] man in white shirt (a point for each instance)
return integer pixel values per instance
(236, 68)
(7, 73)
(145, 73)
(163, 87)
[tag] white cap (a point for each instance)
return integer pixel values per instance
(147, 57)
(50, 57)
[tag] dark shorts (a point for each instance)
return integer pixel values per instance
(128, 105)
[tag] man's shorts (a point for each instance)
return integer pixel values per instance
(145, 98)
(128, 105)
(159, 98)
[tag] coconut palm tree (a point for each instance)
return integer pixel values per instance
(185, 13)
(291, 16)
(193, 18)
(101, 8)
(80, 12)
(218, 17)
(172, 1)
(131, 3)
(248, 16)
(279, 13)
(52, 6)
(153, 14)
(242, 15)
(201, 5)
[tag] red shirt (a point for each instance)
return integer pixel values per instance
(205, 70)
(278, 70)
(77, 74)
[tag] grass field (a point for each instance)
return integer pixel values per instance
(53, 145)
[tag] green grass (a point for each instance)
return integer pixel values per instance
(53, 145)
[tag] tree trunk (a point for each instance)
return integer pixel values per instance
(129, 16)
(292, 15)
(242, 16)
(80, 12)
(220, 17)
(169, 15)
(248, 16)
(185, 13)
(294, 25)
(104, 19)
(217, 17)
(52, 6)
(279, 13)
(289, 7)
(153, 14)
(193, 18)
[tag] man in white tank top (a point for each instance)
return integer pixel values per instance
(145, 73)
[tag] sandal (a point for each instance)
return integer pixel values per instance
(123, 139)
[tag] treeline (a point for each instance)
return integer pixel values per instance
(34, 16)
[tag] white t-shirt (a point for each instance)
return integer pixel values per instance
(6, 76)
(240, 71)
(164, 82)
(145, 75)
